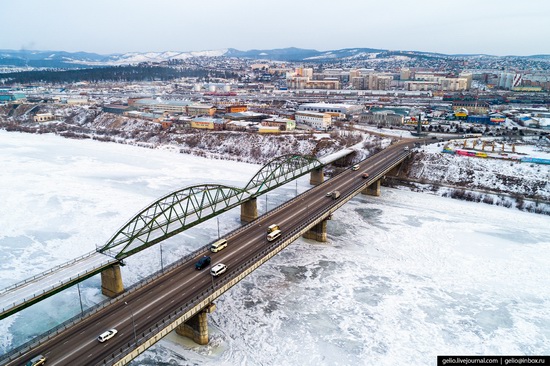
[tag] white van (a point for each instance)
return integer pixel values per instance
(219, 245)
(273, 235)
(218, 269)
(355, 167)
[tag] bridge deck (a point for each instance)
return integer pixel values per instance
(145, 315)
(28, 292)
(44, 284)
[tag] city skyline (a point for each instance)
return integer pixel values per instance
(490, 27)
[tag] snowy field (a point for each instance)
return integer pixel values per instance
(404, 277)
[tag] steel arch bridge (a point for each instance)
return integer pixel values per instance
(187, 207)
(281, 170)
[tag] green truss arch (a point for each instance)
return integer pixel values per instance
(281, 170)
(171, 215)
(189, 206)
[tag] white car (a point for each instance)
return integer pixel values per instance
(218, 269)
(107, 335)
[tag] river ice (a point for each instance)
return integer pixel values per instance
(403, 278)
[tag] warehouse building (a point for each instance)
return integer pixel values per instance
(208, 123)
(384, 118)
(172, 106)
(284, 124)
(319, 121)
(335, 110)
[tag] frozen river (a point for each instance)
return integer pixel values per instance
(404, 277)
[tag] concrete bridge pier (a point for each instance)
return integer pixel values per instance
(316, 177)
(373, 189)
(111, 281)
(318, 232)
(249, 210)
(196, 328)
(396, 171)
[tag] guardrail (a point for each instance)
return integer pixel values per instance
(18, 351)
(272, 248)
(210, 294)
(51, 289)
(42, 274)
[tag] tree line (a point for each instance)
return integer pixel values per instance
(112, 74)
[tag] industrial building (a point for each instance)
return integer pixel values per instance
(115, 108)
(473, 107)
(384, 118)
(208, 123)
(319, 121)
(246, 116)
(173, 106)
(335, 110)
(236, 108)
(200, 110)
(284, 124)
(43, 117)
(11, 96)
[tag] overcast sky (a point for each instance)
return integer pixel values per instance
(498, 27)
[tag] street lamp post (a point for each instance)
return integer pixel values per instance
(133, 323)
(218, 220)
(161, 263)
(80, 298)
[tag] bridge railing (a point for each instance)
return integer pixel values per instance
(134, 287)
(42, 274)
(219, 284)
(234, 273)
(88, 272)
(230, 276)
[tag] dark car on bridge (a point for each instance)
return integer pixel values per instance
(203, 262)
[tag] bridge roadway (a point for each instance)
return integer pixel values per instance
(32, 290)
(155, 301)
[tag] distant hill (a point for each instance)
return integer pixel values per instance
(53, 59)
(62, 59)
(280, 54)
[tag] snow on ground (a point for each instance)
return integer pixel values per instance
(385, 131)
(430, 165)
(404, 277)
(528, 148)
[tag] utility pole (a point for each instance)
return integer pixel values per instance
(80, 298)
(133, 323)
(161, 263)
